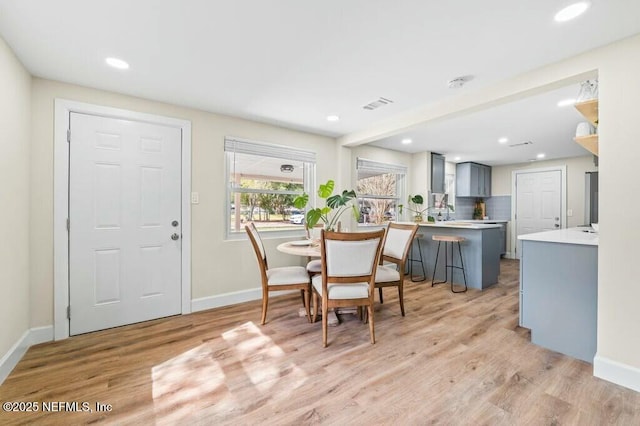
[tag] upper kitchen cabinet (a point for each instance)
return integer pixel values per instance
(473, 180)
(437, 173)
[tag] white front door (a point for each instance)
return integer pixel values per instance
(538, 202)
(125, 224)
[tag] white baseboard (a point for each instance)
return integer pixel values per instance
(17, 351)
(228, 299)
(616, 372)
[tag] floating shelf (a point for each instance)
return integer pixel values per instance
(589, 142)
(590, 111)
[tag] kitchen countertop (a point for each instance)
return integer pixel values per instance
(460, 224)
(564, 236)
(481, 220)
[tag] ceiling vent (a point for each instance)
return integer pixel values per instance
(521, 144)
(377, 103)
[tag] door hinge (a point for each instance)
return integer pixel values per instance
(68, 135)
(68, 225)
(68, 312)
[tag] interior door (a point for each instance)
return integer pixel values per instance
(125, 224)
(538, 202)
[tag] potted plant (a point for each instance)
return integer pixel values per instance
(415, 205)
(335, 206)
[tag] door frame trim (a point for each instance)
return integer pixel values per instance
(514, 195)
(63, 108)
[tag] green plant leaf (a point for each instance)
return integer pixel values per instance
(325, 191)
(336, 201)
(300, 202)
(313, 217)
(417, 199)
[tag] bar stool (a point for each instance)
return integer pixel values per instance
(412, 260)
(449, 239)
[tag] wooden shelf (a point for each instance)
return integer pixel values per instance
(590, 110)
(589, 142)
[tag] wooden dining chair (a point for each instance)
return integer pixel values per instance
(278, 279)
(395, 251)
(348, 274)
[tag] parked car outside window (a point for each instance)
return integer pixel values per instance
(297, 218)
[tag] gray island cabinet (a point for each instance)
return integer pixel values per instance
(559, 290)
(480, 251)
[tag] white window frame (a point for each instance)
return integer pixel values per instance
(245, 146)
(363, 164)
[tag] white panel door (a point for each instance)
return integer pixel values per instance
(124, 208)
(538, 202)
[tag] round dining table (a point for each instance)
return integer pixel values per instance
(307, 248)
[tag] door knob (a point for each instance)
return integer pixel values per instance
(174, 236)
(174, 223)
(557, 225)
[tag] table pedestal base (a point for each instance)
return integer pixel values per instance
(332, 319)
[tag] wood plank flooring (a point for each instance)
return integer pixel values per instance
(454, 359)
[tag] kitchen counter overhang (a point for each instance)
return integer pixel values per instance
(480, 251)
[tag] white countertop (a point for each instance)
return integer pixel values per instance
(564, 236)
(459, 224)
(481, 221)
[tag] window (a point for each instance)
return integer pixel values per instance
(262, 182)
(380, 188)
(450, 182)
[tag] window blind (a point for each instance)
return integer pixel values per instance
(268, 150)
(370, 166)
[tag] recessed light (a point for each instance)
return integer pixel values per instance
(572, 11)
(457, 159)
(333, 118)
(117, 63)
(406, 141)
(503, 140)
(541, 155)
(566, 102)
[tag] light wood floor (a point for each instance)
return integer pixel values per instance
(454, 359)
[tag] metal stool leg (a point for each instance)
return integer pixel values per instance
(417, 278)
(464, 275)
(446, 275)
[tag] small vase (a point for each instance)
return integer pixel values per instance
(417, 218)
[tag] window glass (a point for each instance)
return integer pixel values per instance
(262, 187)
(380, 189)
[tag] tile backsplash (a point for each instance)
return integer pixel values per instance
(497, 208)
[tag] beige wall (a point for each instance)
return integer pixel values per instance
(15, 119)
(619, 206)
(501, 181)
(218, 266)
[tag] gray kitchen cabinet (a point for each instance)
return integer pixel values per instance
(473, 180)
(437, 173)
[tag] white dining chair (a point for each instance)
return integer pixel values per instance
(278, 279)
(397, 243)
(348, 274)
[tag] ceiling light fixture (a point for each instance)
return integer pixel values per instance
(566, 102)
(457, 159)
(406, 141)
(117, 63)
(540, 156)
(286, 168)
(572, 11)
(503, 140)
(333, 118)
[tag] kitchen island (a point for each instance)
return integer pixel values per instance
(559, 290)
(480, 251)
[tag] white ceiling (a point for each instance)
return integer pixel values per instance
(293, 62)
